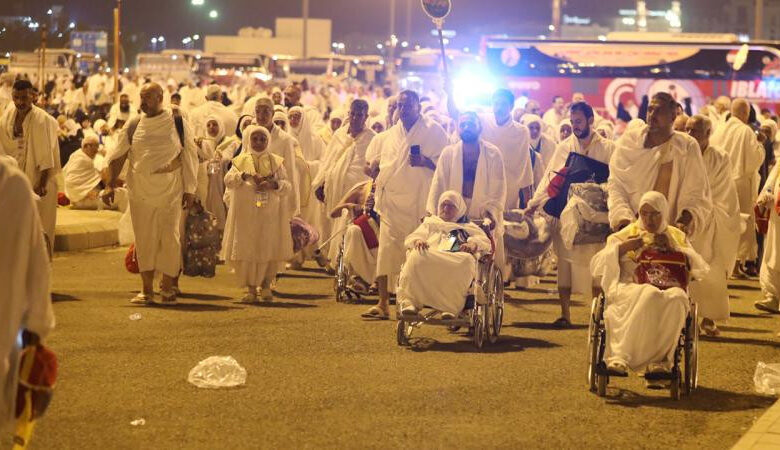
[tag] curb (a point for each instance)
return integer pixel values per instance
(764, 434)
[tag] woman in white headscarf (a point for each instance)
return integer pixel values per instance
(643, 322)
(542, 147)
(213, 168)
(335, 121)
(257, 234)
(564, 130)
(441, 259)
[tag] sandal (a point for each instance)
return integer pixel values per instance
(709, 330)
(375, 313)
(142, 299)
(562, 323)
(168, 297)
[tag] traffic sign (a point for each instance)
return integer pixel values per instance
(437, 9)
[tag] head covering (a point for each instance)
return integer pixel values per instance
(243, 119)
(220, 128)
(528, 119)
(246, 142)
(99, 124)
(214, 90)
(658, 202)
(299, 110)
(377, 120)
(279, 115)
(772, 126)
(338, 113)
(264, 101)
(456, 199)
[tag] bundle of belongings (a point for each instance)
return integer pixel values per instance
(202, 242)
(527, 240)
(585, 219)
(578, 169)
(303, 234)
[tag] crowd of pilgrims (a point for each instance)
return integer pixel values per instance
(392, 179)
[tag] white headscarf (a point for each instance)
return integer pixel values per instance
(98, 125)
(456, 199)
(279, 115)
(658, 202)
(528, 119)
(246, 142)
(220, 126)
(560, 128)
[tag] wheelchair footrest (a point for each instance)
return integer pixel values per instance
(602, 370)
(655, 376)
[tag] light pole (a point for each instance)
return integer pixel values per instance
(117, 45)
(758, 35)
(305, 7)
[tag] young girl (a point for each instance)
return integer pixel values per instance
(257, 234)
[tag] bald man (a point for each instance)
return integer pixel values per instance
(161, 176)
(719, 238)
(746, 151)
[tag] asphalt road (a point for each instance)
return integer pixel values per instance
(319, 376)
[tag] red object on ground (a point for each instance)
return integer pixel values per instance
(131, 260)
(662, 269)
(62, 199)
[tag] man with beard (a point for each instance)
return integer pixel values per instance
(573, 264)
(474, 168)
(161, 176)
(29, 135)
(406, 163)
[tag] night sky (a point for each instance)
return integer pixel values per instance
(178, 18)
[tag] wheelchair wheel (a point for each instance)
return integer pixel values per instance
(480, 316)
(676, 385)
(602, 381)
(593, 345)
(403, 333)
(341, 276)
(691, 352)
(497, 305)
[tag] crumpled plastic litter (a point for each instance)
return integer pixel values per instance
(135, 316)
(138, 422)
(767, 378)
(217, 372)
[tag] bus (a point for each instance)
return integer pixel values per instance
(168, 66)
(610, 72)
(59, 61)
(366, 68)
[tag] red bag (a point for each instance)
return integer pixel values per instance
(370, 228)
(556, 184)
(37, 375)
(762, 220)
(662, 269)
(62, 199)
(131, 260)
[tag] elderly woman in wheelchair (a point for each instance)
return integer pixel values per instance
(643, 321)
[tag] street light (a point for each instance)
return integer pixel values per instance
(213, 14)
(197, 2)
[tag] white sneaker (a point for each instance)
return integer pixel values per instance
(142, 299)
(249, 298)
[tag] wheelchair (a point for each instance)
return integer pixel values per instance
(483, 313)
(684, 374)
(345, 293)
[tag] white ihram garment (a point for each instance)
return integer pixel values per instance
(155, 198)
(37, 150)
(438, 278)
(24, 281)
(718, 241)
(770, 264)
(401, 188)
(512, 140)
(81, 176)
(573, 263)
(747, 154)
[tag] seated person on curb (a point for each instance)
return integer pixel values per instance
(441, 260)
(643, 322)
(83, 181)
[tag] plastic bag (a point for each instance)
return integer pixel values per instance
(767, 378)
(217, 372)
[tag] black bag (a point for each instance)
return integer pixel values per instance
(579, 169)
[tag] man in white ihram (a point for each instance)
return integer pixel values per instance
(654, 157)
(746, 151)
(719, 239)
(407, 161)
(29, 135)
(162, 175)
